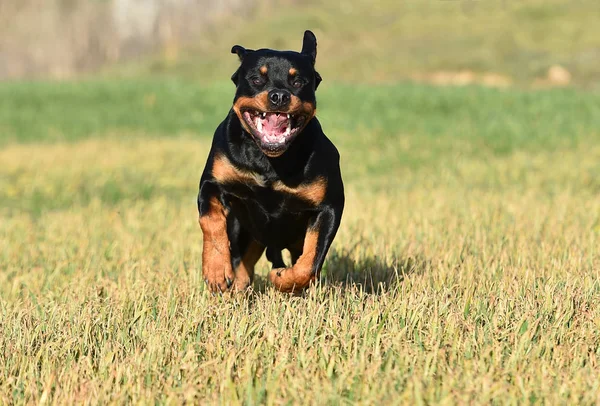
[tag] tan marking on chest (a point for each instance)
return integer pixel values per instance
(313, 192)
(225, 172)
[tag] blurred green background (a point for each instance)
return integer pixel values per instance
(497, 42)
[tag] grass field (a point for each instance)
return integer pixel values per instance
(466, 269)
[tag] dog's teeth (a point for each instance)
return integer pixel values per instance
(288, 116)
(264, 115)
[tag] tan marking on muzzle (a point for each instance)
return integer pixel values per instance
(260, 102)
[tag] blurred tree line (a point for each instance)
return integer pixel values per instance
(59, 38)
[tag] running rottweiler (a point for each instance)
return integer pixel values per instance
(272, 179)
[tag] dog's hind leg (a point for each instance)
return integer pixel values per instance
(245, 252)
(275, 257)
(317, 241)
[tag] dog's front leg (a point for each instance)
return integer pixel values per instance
(317, 240)
(216, 255)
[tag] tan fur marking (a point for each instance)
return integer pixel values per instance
(259, 102)
(309, 252)
(299, 276)
(263, 70)
(292, 71)
(224, 172)
(312, 192)
(216, 257)
(297, 106)
(244, 273)
(306, 109)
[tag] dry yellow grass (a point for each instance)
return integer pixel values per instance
(489, 291)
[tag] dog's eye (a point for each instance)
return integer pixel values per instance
(257, 81)
(297, 83)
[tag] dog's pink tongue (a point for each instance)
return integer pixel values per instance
(274, 123)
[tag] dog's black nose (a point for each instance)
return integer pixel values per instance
(279, 98)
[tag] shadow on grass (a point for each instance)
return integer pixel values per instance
(373, 275)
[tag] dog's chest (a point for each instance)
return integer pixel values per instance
(269, 194)
(275, 196)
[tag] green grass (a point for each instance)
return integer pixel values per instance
(465, 269)
(387, 40)
(494, 120)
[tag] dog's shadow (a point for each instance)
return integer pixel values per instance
(372, 275)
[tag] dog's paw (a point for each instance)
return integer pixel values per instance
(290, 280)
(241, 284)
(219, 279)
(280, 279)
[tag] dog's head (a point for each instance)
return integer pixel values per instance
(275, 95)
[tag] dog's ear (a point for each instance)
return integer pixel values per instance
(309, 45)
(318, 79)
(240, 51)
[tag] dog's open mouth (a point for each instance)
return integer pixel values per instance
(273, 130)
